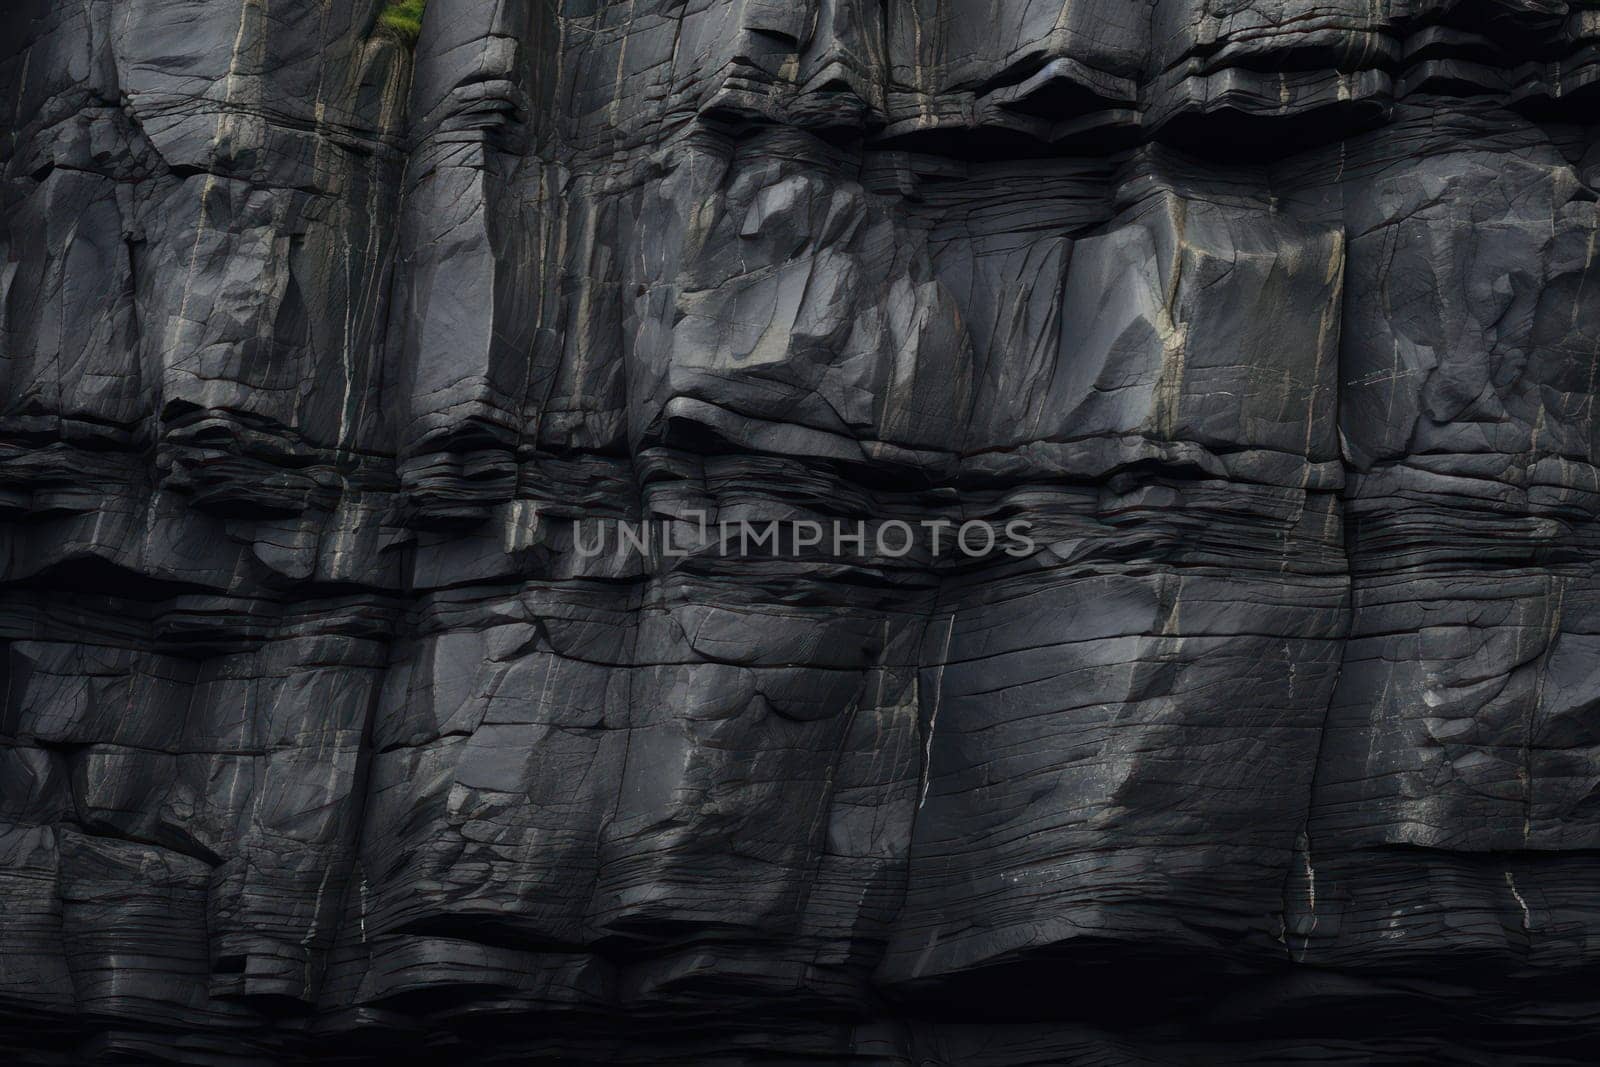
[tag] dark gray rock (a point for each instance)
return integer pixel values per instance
(325, 353)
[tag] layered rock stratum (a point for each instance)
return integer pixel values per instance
(1278, 321)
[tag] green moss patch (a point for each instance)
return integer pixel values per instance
(404, 19)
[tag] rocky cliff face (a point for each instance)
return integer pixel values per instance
(323, 736)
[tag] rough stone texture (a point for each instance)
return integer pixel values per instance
(1278, 319)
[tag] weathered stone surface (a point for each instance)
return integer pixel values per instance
(322, 352)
